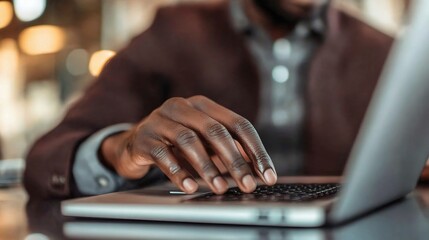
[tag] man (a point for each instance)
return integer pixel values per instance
(190, 86)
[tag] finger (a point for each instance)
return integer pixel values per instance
(219, 164)
(162, 155)
(190, 145)
(216, 135)
(244, 132)
(243, 153)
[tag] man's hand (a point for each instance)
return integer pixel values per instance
(182, 132)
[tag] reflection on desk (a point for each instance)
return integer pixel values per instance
(405, 219)
(408, 219)
(13, 221)
(402, 220)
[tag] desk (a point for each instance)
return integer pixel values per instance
(407, 219)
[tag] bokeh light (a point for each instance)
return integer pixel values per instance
(42, 39)
(6, 13)
(98, 60)
(77, 62)
(280, 74)
(29, 10)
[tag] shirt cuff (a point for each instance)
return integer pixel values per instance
(90, 175)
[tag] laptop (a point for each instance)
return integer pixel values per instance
(374, 227)
(384, 165)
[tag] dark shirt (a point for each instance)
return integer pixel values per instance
(283, 66)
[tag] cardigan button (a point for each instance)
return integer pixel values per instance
(58, 181)
(102, 181)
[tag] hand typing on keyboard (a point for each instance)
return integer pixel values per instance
(182, 133)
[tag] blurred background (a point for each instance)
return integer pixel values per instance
(51, 50)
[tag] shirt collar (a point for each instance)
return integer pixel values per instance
(316, 23)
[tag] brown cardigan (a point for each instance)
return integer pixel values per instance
(193, 49)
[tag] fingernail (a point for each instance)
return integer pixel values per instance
(190, 185)
(220, 184)
(249, 182)
(270, 176)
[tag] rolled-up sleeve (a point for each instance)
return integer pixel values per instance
(90, 175)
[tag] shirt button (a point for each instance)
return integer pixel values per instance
(280, 74)
(102, 181)
(282, 49)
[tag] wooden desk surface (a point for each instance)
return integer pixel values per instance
(408, 219)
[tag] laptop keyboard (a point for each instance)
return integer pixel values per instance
(276, 193)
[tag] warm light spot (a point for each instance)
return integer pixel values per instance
(42, 39)
(29, 10)
(98, 60)
(11, 85)
(6, 13)
(9, 60)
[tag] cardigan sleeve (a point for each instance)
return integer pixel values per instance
(122, 93)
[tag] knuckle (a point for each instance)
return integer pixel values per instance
(261, 155)
(141, 140)
(186, 137)
(262, 158)
(197, 98)
(154, 116)
(217, 130)
(243, 125)
(159, 152)
(207, 167)
(173, 103)
(173, 100)
(199, 101)
(238, 164)
(174, 169)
